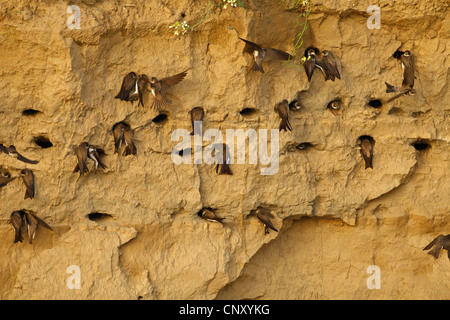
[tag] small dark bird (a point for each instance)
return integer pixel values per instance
(295, 105)
(261, 55)
(17, 221)
(28, 180)
(82, 154)
(133, 87)
(283, 111)
(12, 152)
(129, 89)
(128, 136)
(197, 114)
(226, 159)
(32, 224)
(264, 215)
(441, 242)
(312, 62)
(331, 63)
(208, 214)
(367, 151)
(118, 129)
(5, 178)
(158, 88)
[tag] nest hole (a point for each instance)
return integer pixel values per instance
(249, 112)
(361, 138)
(375, 103)
(97, 216)
(43, 142)
(421, 145)
(304, 146)
(30, 112)
(160, 119)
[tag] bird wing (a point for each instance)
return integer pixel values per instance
(432, 243)
(276, 54)
(26, 160)
(250, 46)
(172, 80)
(3, 149)
(283, 111)
(310, 65)
(28, 179)
(330, 62)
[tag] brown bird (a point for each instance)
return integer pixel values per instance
(158, 88)
(5, 178)
(313, 61)
(331, 63)
(367, 151)
(264, 215)
(17, 221)
(283, 111)
(82, 154)
(129, 89)
(439, 243)
(208, 214)
(128, 136)
(93, 154)
(12, 152)
(32, 224)
(261, 55)
(407, 62)
(226, 159)
(197, 114)
(28, 180)
(118, 129)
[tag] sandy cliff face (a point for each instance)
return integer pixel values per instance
(334, 217)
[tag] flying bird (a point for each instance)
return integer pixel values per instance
(261, 55)
(17, 221)
(28, 180)
(283, 111)
(33, 222)
(264, 215)
(367, 151)
(208, 214)
(5, 178)
(439, 243)
(226, 160)
(197, 114)
(159, 87)
(12, 152)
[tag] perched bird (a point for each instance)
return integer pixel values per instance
(133, 87)
(128, 136)
(283, 111)
(28, 180)
(264, 215)
(129, 88)
(82, 154)
(5, 178)
(12, 152)
(407, 62)
(261, 55)
(32, 224)
(367, 151)
(295, 105)
(118, 129)
(226, 159)
(439, 243)
(331, 63)
(197, 114)
(312, 62)
(158, 88)
(208, 214)
(17, 221)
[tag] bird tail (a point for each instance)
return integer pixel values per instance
(435, 252)
(390, 88)
(128, 150)
(258, 67)
(225, 169)
(18, 237)
(285, 125)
